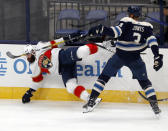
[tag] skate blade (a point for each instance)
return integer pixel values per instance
(90, 109)
(157, 116)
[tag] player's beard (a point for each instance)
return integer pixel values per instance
(31, 59)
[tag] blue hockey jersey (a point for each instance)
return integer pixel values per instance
(132, 37)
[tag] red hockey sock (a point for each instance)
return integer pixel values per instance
(93, 48)
(78, 90)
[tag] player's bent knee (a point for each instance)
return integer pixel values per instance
(86, 50)
(78, 90)
(93, 48)
(75, 89)
(71, 85)
(145, 84)
(82, 52)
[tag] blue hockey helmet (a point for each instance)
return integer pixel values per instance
(135, 10)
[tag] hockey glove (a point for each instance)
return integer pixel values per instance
(97, 30)
(74, 37)
(158, 62)
(26, 97)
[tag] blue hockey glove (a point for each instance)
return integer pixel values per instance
(158, 62)
(97, 30)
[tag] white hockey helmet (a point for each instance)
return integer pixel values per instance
(29, 49)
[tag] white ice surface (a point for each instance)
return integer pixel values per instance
(68, 116)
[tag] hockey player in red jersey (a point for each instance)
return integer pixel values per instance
(52, 60)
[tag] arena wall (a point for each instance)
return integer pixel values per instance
(15, 78)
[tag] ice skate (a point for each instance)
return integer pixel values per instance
(155, 108)
(89, 107)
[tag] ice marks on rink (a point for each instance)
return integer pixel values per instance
(68, 116)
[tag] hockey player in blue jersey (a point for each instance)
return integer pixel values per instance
(132, 38)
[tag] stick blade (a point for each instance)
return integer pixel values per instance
(10, 55)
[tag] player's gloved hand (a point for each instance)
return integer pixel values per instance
(96, 30)
(26, 97)
(158, 62)
(74, 37)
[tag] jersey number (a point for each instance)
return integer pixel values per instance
(138, 37)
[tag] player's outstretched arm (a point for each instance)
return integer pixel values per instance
(113, 31)
(68, 40)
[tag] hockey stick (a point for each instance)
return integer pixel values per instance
(89, 23)
(10, 55)
(144, 97)
(81, 37)
(156, 20)
(92, 22)
(87, 37)
(104, 48)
